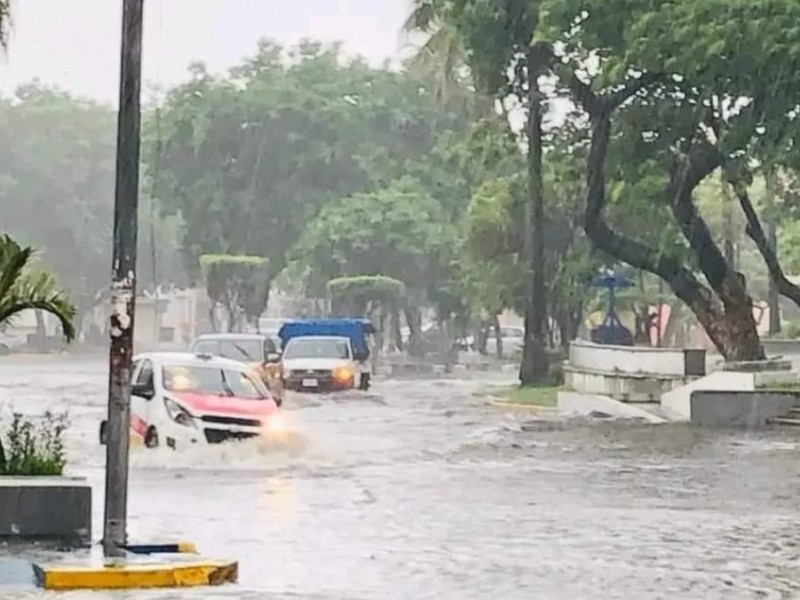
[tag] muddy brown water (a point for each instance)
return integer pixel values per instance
(420, 490)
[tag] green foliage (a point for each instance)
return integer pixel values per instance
(57, 160)
(24, 288)
(238, 283)
(367, 288)
(250, 159)
(399, 231)
(34, 448)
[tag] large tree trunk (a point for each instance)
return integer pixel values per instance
(414, 320)
(728, 318)
(534, 368)
(498, 332)
(397, 333)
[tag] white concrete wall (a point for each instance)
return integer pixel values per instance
(585, 404)
(677, 403)
(626, 359)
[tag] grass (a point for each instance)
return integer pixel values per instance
(779, 386)
(527, 396)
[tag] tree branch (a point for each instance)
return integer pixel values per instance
(756, 233)
(680, 279)
(631, 87)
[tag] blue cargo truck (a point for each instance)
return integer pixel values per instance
(326, 354)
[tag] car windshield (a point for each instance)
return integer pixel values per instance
(317, 348)
(212, 381)
(242, 350)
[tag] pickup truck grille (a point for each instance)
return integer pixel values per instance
(231, 421)
(321, 373)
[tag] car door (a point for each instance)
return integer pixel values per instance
(142, 413)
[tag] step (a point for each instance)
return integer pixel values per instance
(794, 422)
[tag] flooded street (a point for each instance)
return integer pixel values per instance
(419, 489)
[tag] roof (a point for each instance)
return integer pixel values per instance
(232, 336)
(354, 329)
(321, 337)
(188, 359)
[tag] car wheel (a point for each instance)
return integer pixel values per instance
(104, 433)
(151, 438)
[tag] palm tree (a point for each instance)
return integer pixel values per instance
(442, 57)
(23, 288)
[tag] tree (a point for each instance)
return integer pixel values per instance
(23, 288)
(399, 232)
(505, 59)
(249, 160)
(57, 159)
(691, 91)
(353, 296)
(235, 283)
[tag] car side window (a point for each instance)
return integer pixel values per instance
(206, 347)
(145, 377)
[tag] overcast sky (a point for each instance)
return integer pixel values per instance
(75, 43)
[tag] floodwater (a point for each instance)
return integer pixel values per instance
(421, 490)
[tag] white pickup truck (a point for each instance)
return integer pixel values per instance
(323, 363)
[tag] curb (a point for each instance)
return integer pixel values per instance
(515, 406)
(137, 572)
(118, 576)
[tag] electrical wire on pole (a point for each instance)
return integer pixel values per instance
(123, 286)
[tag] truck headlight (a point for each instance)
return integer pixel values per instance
(179, 414)
(343, 374)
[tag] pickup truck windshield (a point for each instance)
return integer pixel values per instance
(316, 348)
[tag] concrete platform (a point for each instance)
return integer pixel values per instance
(743, 409)
(46, 509)
(137, 573)
(585, 404)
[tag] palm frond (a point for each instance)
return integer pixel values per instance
(13, 260)
(24, 289)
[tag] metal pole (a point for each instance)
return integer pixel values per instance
(123, 286)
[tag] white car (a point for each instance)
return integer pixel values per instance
(182, 399)
(322, 363)
(513, 340)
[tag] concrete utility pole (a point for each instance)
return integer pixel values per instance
(123, 286)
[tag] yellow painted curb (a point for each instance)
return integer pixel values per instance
(141, 576)
(515, 406)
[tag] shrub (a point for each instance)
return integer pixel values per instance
(34, 449)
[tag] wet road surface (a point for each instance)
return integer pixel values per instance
(420, 490)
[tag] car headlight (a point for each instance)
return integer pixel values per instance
(276, 424)
(179, 414)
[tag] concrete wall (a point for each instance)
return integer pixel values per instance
(633, 360)
(781, 347)
(586, 404)
(749, 409)
(55, 509)
(676, 403)
(637, 387)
